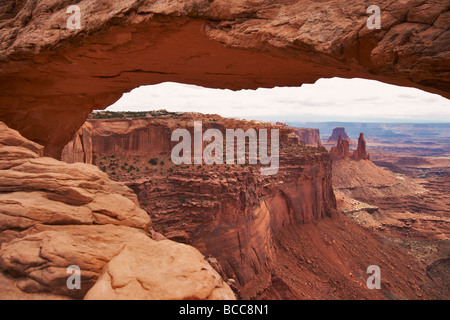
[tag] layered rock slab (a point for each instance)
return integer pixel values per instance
(54, 215)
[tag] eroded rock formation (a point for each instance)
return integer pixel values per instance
(53, 77)
(273, 237)
(310, 137)
(338, 132)
(54, 215)
(361, 153)
(342, 149)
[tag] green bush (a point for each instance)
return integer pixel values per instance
(153, 161)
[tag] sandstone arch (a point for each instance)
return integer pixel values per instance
(52, 77)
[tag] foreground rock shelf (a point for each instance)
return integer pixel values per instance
(54, 215)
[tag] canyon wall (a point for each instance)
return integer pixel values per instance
(52, 77)
(310, 137)
(228, 212)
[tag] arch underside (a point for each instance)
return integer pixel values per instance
(52, 78)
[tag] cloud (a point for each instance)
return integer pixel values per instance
(326, 100)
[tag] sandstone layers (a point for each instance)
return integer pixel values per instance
(53, 77)
(54, 215)
(310, 137)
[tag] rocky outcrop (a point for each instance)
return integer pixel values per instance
(310, 137)
(131, 137)
(338, 132)
(53, 77)
(79, 148)
(361, 153)
(341, 150)
(54, 215)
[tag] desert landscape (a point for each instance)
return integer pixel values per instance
(320, 209)
(97, 193)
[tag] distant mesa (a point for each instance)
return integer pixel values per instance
(339, 132)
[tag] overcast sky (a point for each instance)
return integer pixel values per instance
(333, 99)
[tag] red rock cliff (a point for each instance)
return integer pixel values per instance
(310, 137)
(230, 212)
(342, 150)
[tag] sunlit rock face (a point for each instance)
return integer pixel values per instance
(52, 76)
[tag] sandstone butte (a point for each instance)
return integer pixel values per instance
(53, 77)
(55, 214)
(339, 133)
(276, 237)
